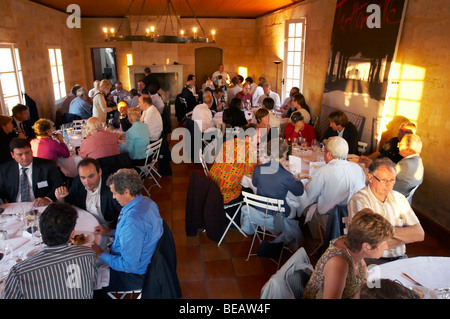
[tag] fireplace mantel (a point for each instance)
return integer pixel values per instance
(176, 69)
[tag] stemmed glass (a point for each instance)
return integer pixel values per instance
(5, 247)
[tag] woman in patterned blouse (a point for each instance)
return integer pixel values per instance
(341, 271)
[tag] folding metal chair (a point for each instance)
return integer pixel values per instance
(231, 219)
(267, 204)
(148, 170)
(202, 160)
(78, 124)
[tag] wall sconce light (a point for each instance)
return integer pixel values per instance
(213, 32)
(195, 33)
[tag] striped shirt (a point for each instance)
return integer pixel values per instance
(57, 272)
(395, 209)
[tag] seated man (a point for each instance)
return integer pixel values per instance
(340, 126)
(334, 183)
(151, 117)
(188, 94)
(59, 270)
(138, 231)
(379, 196)
(269, 93)
(390, 148)
(28, 178)
(89, 191)
(21, 116)
(202, 113)
(410, 168)
(81, 105)
(273, 180)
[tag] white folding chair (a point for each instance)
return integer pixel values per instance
(148, 170)
(202, 160)
(231, 219)
(268, 204)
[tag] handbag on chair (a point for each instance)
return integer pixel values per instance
(269, 249)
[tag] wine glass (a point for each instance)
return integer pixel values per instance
(5, 247)
(303, 143)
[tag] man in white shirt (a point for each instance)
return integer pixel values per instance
(220, 77)
(269, 93)
(202, 114)
(334, 183)
(151, 117)
(89, 191)
(379, 196)
(120, 92)
(257, 92)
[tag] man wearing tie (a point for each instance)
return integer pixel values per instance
(28, 178)
(21, 115)
(269, 93)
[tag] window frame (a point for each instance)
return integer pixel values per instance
(287, 85)
(18, 74)
(58, 75)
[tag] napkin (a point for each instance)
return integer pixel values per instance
(314, 166)
(17, 242)
(13, 227)
(295, 164)
(102, 277)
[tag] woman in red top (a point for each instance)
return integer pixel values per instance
(298, 128)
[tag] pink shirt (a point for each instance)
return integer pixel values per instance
(48, 148)
(100, 144)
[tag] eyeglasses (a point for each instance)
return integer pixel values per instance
(384, 181)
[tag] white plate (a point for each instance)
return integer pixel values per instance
(89, 236)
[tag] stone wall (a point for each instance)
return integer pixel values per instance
(33, 28)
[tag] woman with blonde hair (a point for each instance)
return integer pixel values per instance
(98, 143)
(48, 144)
(341, 271)
(100, 107)
(137, 137)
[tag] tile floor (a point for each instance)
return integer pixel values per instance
(207, 271)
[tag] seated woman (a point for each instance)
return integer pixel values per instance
(47, 144)
(297, 129)
(6, 135)
(98, 143)
(234, 160)
(298, 100)
(234, 116)
(410, 168)
(341, 271)
(137, 137)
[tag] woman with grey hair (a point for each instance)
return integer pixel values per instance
(139, 228)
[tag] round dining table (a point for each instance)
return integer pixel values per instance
(429, 274)
(24, 244)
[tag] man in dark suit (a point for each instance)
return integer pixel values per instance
(28, 178)
(21, 117)
(340, 126)
(89, 191)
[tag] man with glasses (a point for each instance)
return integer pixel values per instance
(379, 196)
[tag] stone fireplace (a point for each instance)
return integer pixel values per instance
(170, 77)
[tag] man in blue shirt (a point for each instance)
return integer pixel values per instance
(80, 105)
(136, 236)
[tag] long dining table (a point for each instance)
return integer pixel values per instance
(24, 244)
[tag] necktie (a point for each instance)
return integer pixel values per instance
(24, 186)
(21, 128)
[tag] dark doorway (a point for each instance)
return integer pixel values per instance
(207, 61)
(104, 64)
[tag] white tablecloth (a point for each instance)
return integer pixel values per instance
(430, 272)
(23, 243)
(69, 165)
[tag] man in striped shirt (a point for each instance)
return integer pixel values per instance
(382, 199)
(59, 270)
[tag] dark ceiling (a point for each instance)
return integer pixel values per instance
(249, 9)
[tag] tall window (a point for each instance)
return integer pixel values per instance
(294, 53)
(11, 80)
(56, 65)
